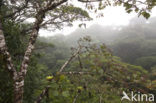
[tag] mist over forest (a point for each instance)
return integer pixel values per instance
(134, 43)
(99, 64)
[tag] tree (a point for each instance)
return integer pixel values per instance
(94, 73)
(20, 10)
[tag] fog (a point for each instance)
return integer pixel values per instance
(138, 27)
(47, 56)
(133, 43)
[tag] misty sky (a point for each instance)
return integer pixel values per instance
(114, 16)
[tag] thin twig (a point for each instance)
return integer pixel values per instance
(74, 101)
(81, 66)
(80, 73)
(100, 99)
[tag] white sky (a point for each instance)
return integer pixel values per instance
(112, 16)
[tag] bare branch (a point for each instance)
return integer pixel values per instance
(73, 72)
(44, 92)
(70, 59)
(100, 99)
(81, 66)
(74, 101)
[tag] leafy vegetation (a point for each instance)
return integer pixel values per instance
(89, 72)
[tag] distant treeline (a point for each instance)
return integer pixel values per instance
(134, 43)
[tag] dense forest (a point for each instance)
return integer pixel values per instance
(134, 43)
(92, 65)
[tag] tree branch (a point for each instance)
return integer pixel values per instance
(81, 66)
(38, 100)
(44, 92)
(74, 101)
(70, 59)
(39, 19)
(18, 10)
(73, 72)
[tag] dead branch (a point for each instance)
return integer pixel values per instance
(44, 92)
(73, 72)
(100, 99)
(81, 66)
(74, 101)
(70, 59)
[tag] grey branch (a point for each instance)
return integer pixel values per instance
(75, 72)
(70, 59)
(44, 92)
(74, 101)
(81, 66)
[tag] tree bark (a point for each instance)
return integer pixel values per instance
(18, 91)
(18, 77)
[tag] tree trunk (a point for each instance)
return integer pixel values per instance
(18, 91)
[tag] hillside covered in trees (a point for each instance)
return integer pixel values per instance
(98, 64)
(130, 47)
(134, 43)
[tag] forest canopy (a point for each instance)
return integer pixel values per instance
(45, 70)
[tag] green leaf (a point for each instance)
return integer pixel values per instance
(145, 14)
(127, 6)
(55, 93)
(129, 11)
(65, 93)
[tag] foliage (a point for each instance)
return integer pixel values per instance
(103, 76)
(104, 71)
(137, 46)
(14, 41)
(16, 44)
